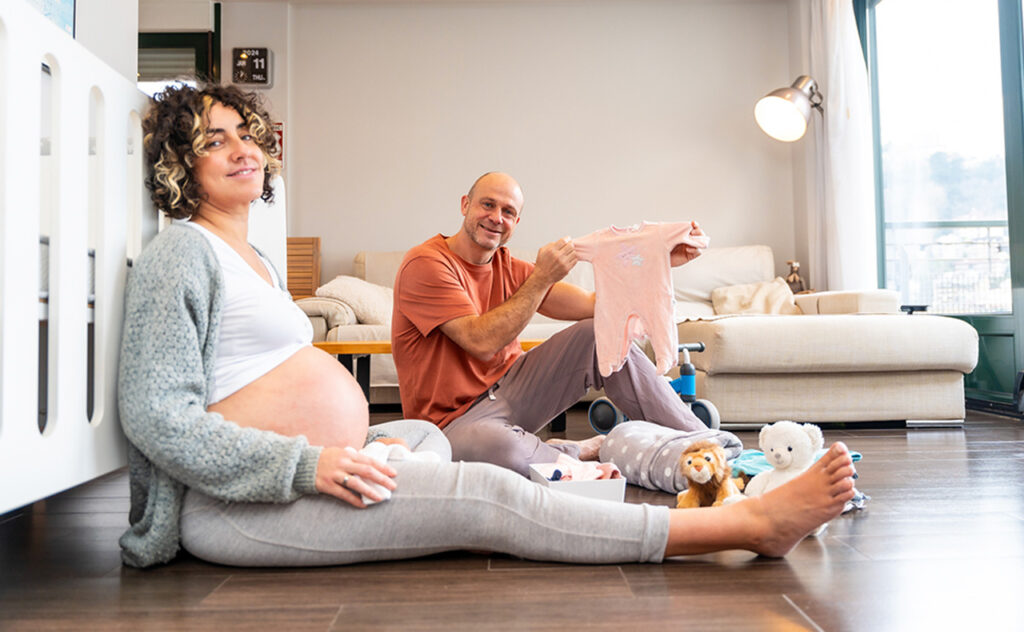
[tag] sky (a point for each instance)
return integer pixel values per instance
(939, 76)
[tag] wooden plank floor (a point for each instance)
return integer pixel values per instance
(940, 546)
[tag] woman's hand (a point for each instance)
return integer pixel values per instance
(343, 472)
(684, 253)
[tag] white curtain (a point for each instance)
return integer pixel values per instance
(840, 171)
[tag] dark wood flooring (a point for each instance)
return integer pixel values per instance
(940, 546)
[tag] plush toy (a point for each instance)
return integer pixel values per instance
(709, 475)
(790, 448)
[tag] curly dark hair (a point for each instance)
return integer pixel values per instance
(174, 136)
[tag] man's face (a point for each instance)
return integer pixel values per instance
(491, 211)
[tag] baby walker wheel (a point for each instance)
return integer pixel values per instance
(707, 413)
(603, 415)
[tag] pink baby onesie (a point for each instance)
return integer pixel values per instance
(634, 289)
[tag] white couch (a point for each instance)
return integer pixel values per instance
(847, 356)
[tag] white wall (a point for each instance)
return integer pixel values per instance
(610, 112)
(259, 25)
(173, 16)
(109, 29)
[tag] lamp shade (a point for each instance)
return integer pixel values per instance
(783, 114)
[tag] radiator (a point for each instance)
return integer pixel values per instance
(73, 212)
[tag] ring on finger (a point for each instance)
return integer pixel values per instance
(344, 481)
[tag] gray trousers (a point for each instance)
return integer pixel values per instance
(436, 507)
(546, 381)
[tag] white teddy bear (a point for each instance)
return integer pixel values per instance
(790, 448)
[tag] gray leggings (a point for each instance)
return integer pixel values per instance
(436, 507)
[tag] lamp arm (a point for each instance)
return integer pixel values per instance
(816, 99)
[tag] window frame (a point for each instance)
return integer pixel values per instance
(998, 380)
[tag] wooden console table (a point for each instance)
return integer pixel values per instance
(361, 350)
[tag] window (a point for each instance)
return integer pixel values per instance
(942, 156)
(949, 154)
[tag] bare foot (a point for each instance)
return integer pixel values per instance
(786, 515)
(771, 524)
(589, 448)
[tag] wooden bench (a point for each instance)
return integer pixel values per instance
(361, 350)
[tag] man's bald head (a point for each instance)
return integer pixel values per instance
(497, 178)
(490, 213)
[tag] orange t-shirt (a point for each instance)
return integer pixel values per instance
(438, 380)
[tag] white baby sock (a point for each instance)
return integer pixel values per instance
(382, 453)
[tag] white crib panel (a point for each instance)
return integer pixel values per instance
(72, 450)
(68, 304)
(19, 226)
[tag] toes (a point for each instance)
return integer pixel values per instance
(837, 452)
(843, 488)
(837, 458)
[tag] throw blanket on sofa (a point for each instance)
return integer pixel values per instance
(648, 454)
(766, 297)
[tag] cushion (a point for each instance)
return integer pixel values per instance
(332, 310)
(378, 266)
(648, 454)
(371, 303)
(765, 297)
(718, 267)
(850, 302)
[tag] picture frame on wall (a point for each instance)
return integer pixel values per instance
(60, 12)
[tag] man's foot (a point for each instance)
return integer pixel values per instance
(589, 448)
(786, 515)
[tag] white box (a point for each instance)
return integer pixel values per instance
(613, 489)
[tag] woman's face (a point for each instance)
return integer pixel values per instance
(230, 175)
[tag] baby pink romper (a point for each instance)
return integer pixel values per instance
(633, 284)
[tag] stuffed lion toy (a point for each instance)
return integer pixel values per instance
(709, 475)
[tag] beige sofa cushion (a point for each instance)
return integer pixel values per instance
(378, 267)
(832, 343)
(850, 302)
(719, 267)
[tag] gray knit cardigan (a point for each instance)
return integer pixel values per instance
(171, 323)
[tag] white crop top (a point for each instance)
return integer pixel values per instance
(260, 325)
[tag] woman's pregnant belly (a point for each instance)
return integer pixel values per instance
(308, 394)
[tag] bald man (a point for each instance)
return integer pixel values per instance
(461, 302)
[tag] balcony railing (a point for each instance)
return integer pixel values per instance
(954, 267)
